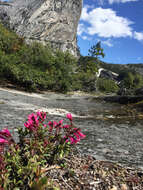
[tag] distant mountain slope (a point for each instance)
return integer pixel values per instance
(118, 68)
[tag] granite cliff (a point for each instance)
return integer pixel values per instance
(45, 21)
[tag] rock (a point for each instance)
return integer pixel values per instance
(45, 21)
(106, 151)
(104, 73)
(124, 187)
(114, 188)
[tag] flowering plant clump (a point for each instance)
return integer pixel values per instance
(41, 143)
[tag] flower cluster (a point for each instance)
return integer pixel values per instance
(41, 143)
(76, 137)
(34, 120)
(72, 134)
(5, 136)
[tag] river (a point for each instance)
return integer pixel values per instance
(112, 132)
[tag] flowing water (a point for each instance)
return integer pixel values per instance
(110, 135)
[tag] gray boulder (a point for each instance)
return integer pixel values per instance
(45, 21)
(108, 75)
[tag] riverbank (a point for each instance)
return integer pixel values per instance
(115, 145)
(113, 132)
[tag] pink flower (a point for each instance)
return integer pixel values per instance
(26, 124)
(82, 136)
(32, 123)
(3, 141)
(69, 116)
(33, 119)
(50, 123)
(29, 125)
(58, 125)
(78, 134)
(66, 126)
(5, 132)
(71, 139)
(77, 137)
(55, 123)
(60, 122)
(41, 115)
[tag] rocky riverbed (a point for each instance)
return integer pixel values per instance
(114, 132)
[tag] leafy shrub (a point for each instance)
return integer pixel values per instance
(107, 85)
(131, 80)
(88, 64)
(84, 77)
(9, 41)
(34, 66)
(41, 144)
(84, 81)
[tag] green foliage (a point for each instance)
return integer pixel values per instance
(34, 66)
(37, 67)
(84, 81)
(85, 76)
(9, 42)
(88, 64)
(131, 80)
(107, 85)
(96, 50)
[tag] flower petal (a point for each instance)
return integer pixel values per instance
(5, 132)
(2, 141)
(69, 116)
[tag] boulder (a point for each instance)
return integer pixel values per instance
(108, 74)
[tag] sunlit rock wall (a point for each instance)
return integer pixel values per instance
(53, 21)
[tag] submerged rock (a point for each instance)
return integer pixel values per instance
(45, 21)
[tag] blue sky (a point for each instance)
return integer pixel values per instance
(118, 24)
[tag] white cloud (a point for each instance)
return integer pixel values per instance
(108, 43)
(105, 23)
(86, 38)
(138, 36)
(81, 29)
(120, 1)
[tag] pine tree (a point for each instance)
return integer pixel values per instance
(96, 50)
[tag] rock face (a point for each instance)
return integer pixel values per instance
(104, 73)
(53, 21)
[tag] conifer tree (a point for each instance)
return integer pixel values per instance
(96, 50)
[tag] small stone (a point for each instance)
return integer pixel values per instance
(114, 188)
(106, 151)
(124, 187)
